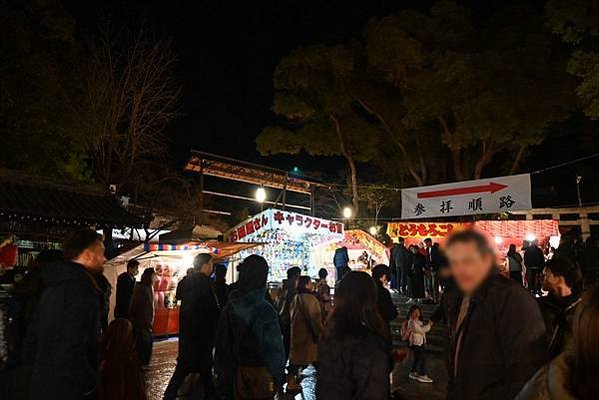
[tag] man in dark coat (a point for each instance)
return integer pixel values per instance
(400, 265)
(496, 329)
(124, 289)
(198, 318)
(559, 305)
(534, 261)
(64, 334)
(380, 275)
(341, 262)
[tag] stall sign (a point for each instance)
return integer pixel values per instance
(482, 196)
(422, 230)
(288, 221)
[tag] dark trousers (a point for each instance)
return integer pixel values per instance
(516, 276)
(533, 279)
(403, 280)
(143, 345)
(204, 383)
(419, 360)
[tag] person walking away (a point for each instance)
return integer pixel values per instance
(198, 318)
(400, 265)
(124, 289)
(496, 329)
(558, 307)
(573, 374)
(323, 292)
(220, 284)
(120, 373)
(385, 306)
(354, 353)
(418, 330)
(514, 260)
(534, 260)
(141, 315)
(306, 328)
(341, 262)
(250, 357)
(284, 303)
(433, 259)
(65, 331)
(417, 273)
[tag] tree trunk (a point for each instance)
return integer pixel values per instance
(518, 159)
(458, 165)
(350, 162)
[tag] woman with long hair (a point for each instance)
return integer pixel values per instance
(141, 314)
(354, 353)
(120, 374)
(573, 374)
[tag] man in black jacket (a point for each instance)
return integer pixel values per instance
(198, 319)
(534, 261)
(64, 334)
(124, 289)
(400, 265)
(495, 327)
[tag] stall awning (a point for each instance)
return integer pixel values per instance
(44, 203)
(221, 250)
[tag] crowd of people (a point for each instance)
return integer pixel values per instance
(239, 342)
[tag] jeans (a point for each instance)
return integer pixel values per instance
(419, 360)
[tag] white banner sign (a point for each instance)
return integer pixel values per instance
(483, 196)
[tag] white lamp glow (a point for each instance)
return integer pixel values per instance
(530, 237)
(373, 230)
(347, 213)
(260, 195)
(498, 240)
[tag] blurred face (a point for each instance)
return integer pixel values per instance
(384, 279)
(414, 250)
(551, 282)
(468, 266)
(134, 271)
(416, 314)
(310, 286)
(93, 257)
(207, 268)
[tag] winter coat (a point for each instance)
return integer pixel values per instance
(515, 262)
(105, 291)
(249, 335)
(306, 328)
(385, 304)
(198, 319)
(341, 258)
(64, 334)
(552, 382)
(125, 285)
(222, 292)
(502, 342)
(141, 312)
(417, 275)
(399, 262)
(533, 257)
(353, 368)
(433, 258)
(323, 292)
(557, 314)
(418, 332)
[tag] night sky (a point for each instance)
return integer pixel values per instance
(228, 51)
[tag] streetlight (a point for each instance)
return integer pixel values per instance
(347, 212)
(260, 195)
(373, 230)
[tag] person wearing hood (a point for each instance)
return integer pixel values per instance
(65, 332)
(250, 357)
(573, 374)
(341, 262)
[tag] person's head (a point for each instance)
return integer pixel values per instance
(85, 247)
(133, 267)
(253, 272)
(381, 273)
(148, 276)
(560, 276)
(220, 272)
(202, 263)
(356, 310)
(428, 242)
(401, 241)
(585, 345)
(118, 339)
(323, 273)
(471, 259)
(414, 312)
(414, 249)
(512, 249)
(534, 243)
(294, 272)
(46, 257)
(305, 284)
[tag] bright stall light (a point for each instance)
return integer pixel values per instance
(347, 213)
(531, 237)
(554, 241)
(260, 195)
(373, 230)
(498, 240)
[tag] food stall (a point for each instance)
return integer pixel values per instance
(288, 240)
(171, 262)
(363, 249)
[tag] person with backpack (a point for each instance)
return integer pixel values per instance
(417, 339)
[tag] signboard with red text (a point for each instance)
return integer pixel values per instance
(288, 221)
(482, 196)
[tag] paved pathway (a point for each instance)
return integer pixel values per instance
(165, 354)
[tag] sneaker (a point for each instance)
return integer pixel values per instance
(424, 379)
(413, 375)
